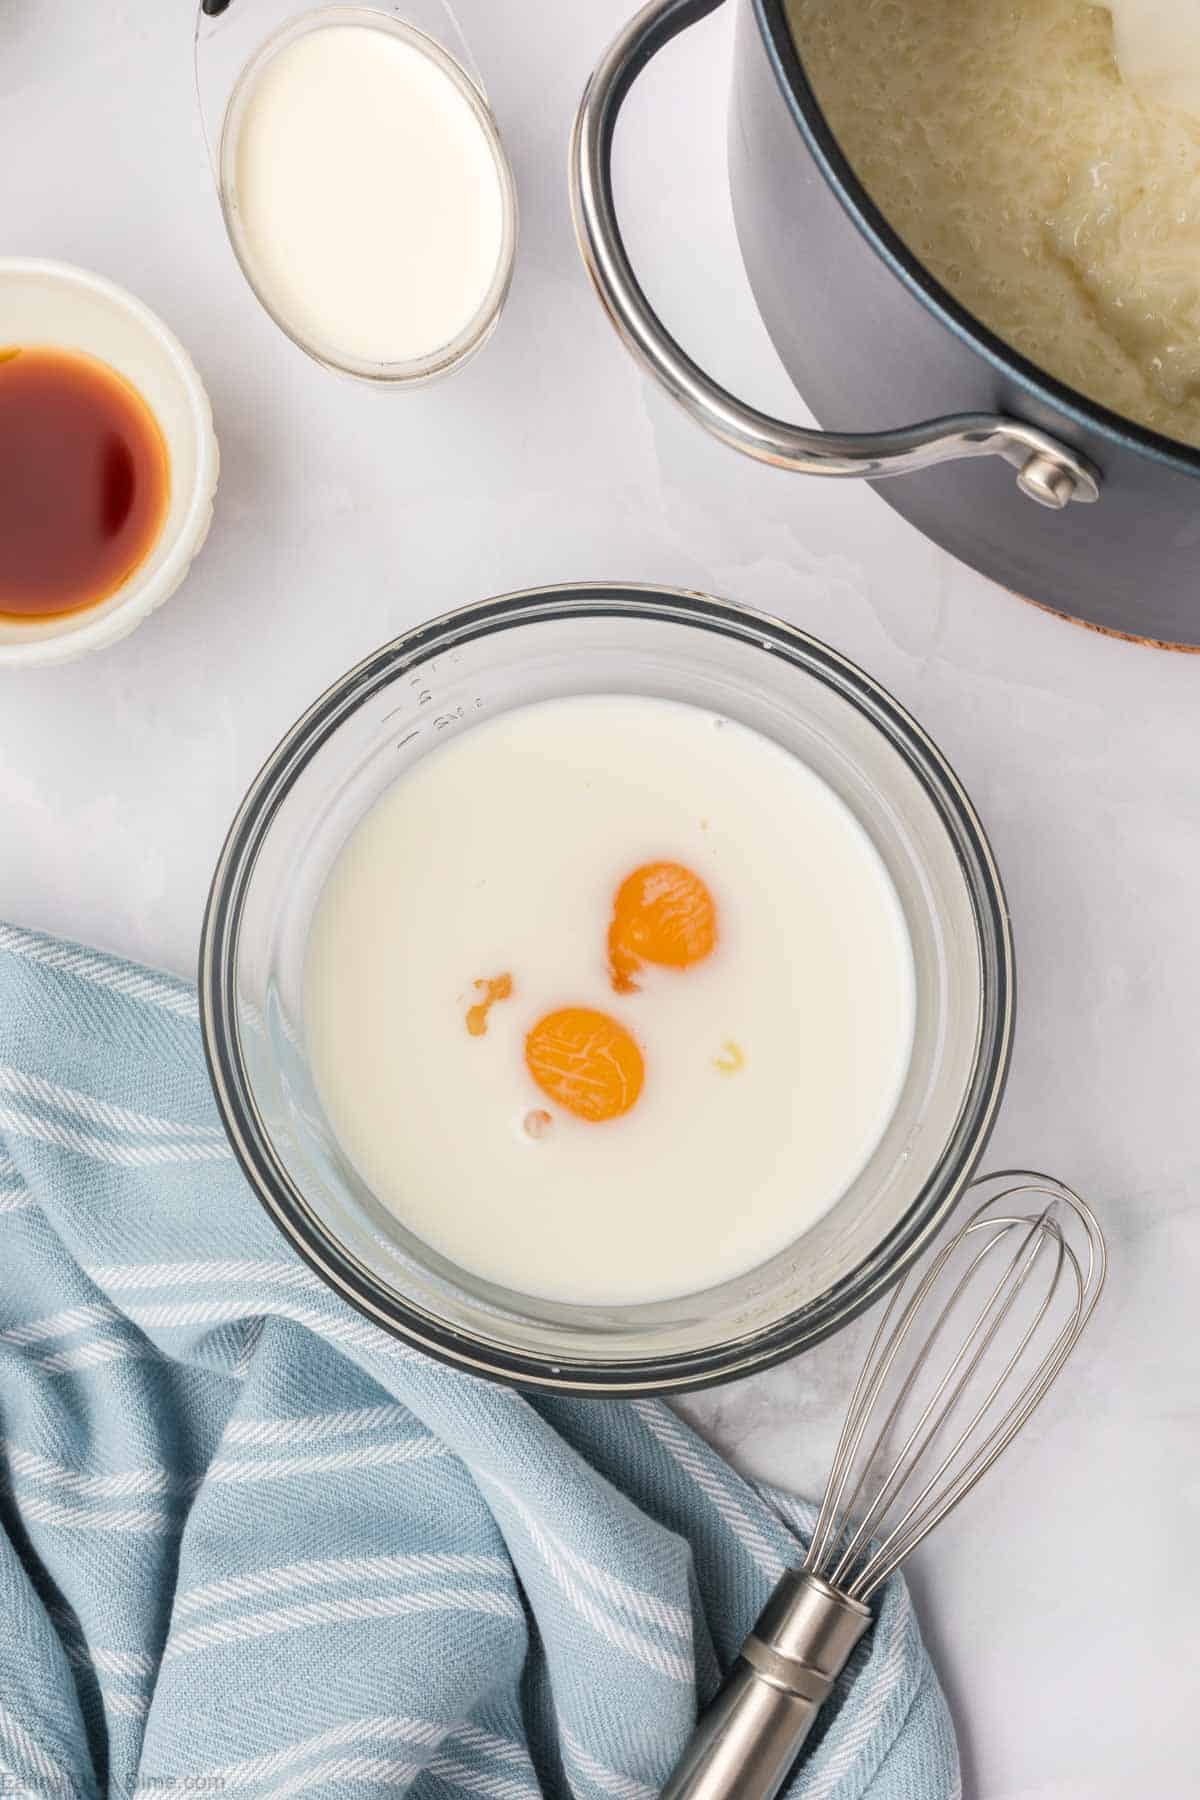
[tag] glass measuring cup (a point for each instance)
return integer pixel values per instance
(236, 43)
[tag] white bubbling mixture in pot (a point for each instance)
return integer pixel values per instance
(1053, 191)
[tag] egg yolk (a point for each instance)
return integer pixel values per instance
(662, 914)
(499, 987)
(586, 1062)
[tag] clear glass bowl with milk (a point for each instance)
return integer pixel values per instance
(536, 675)
(365, 189)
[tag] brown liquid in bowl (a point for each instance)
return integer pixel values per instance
(84, 481)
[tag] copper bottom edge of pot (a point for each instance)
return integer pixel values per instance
(1108, 631)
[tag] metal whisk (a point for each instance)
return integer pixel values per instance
(967, 1347)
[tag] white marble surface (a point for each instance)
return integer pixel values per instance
(1060, 1606)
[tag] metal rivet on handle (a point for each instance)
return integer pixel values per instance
(1047, 481)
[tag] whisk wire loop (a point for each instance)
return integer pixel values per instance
(910, 1527)
(855, 1545)
(881, 1357)
(971, 1353)
(876, 1368)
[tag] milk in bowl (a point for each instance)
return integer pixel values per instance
(608, 999)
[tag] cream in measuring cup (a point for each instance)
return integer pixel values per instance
(368, 196)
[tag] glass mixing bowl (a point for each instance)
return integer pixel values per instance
(442, 678)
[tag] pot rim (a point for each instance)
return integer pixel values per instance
(785, 60)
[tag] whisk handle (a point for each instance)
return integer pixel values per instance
(746, 1742)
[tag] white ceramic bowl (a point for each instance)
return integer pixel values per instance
(51, 303)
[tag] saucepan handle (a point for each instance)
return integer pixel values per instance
(1047, 471)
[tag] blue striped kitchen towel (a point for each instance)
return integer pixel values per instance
(251, 1545)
